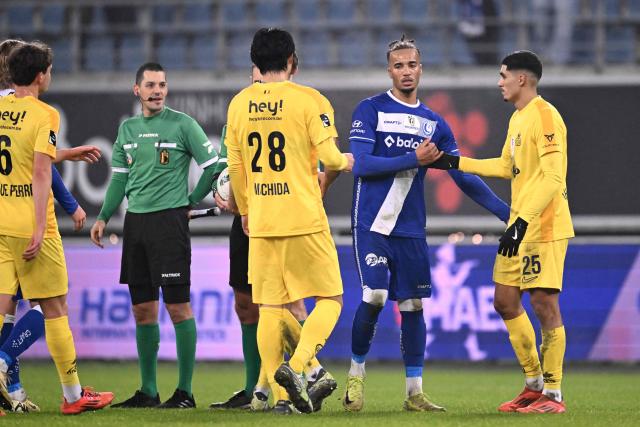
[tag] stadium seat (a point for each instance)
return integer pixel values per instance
(353, 49)
(164, 15)
(132, 53)
(197, 16)
(172, 52)
(307, 12)
(378, 11)
(233, 12)
(431, 44)
(460, 53)
(99, 53)
(63, 62)
(238, 49)
(270, 12)
(314, 49)
(20, 20)
(620, 45)
(380, 45)
(204, 51)
(341, 11)
(582, 46)
(53, 18)
(634, 8)
(413, 11)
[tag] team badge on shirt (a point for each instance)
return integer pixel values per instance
(52, 138)
(164, 157)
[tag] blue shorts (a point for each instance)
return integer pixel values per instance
(399, 264)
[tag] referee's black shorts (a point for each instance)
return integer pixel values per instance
(156, 252)
(238, 257)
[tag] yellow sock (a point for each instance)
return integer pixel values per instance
(523, 341)
(263, 382)
(315, 332)
(63, 351)
(552, 349)
(270, 327)
(292, 331)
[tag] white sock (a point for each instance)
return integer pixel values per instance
(313, 374)
(534, 383)
(20, 395)
(3, 366)
(72, 392)
(553, 394)
(9, 318)
(357, 369)
(414, 385)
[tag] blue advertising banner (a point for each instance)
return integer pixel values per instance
(600, 304)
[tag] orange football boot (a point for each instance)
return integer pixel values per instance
(524, 399)
(90, 401)
(544, 405)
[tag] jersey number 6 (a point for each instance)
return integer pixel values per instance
(275, 141)
(5, 156)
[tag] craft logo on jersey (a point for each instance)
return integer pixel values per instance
(261, 107)
(164, 156)
(52, 138)
(325, 120)
(372, 260)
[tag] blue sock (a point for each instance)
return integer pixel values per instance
(25, 332)
(7, 327)
(13, 374)
(413, 340)
(364, 328)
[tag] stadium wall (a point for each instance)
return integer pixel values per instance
(603, 148)
(600, 304)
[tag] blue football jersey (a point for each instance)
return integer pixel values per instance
(393, 204)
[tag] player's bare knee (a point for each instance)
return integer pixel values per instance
(146, 313)
(179, 312)
(412, 304)
(298, 309)
(375, 297)
(55, 307)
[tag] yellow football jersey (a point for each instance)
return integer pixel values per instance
(272, 129)
(534, 131)
(27, 125)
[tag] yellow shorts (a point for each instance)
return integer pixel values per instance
(537, 265)
(43, 277)
(286, 269)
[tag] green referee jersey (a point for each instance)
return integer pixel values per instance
(155, 153)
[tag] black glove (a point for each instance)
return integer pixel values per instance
(512, 237)
(446, 162)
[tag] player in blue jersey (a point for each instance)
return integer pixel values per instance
(393, 136)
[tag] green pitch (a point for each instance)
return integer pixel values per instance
(595, 396)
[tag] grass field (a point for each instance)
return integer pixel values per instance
(595, 395)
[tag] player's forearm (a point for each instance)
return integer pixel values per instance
(204, 185)
(61, 194)
(238, 178)
(41, 188)
(495, 167)
(474, 187)
(549, 187)
(115, 195)
(330, 156)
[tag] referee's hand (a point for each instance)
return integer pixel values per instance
(97, 231)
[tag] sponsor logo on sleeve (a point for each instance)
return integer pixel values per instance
(52, 138)
(325, 120)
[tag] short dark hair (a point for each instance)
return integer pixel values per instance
(26, 61)
(524, 60)
(5, 49)
(403, 43)
(149, 66)
(271, 48)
